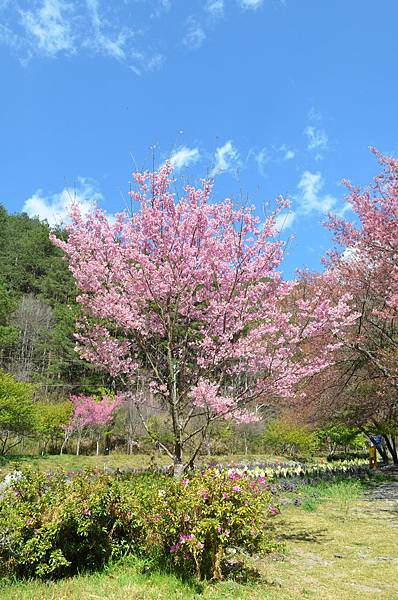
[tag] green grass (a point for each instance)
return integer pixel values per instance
(331, 553)
(343, 494)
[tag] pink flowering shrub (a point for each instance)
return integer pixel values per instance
(201, 516)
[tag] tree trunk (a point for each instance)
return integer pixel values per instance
(66, 438)
(79, 439)
(97, 448)
(179, 467)
(391, 448)
(395, 454)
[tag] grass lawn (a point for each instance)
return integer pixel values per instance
(341, 544)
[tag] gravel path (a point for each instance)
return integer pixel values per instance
(385, 491)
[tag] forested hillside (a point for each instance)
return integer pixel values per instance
(37, 310)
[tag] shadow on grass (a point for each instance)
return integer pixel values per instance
(231, 569)
(313, 536)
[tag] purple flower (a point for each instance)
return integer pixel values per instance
(175, 548)
(236, 488)
(273, 510)
(185, 482)
(29, 522)
(185, 537)
(219, 529)
(87, 512)
(224, 495)
(205, 495)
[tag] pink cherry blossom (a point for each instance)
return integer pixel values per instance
(184, 296)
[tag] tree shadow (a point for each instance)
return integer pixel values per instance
(298, 534)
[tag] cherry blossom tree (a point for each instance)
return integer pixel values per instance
(182, 300)
(92, 414)
(362, 385)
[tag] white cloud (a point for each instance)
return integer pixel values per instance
(50, 27)
(317, 139)
(289, 154)
(310, 198)
(184, 156)
(262, 158)
(100, 41)
(284, 221)
(251, 3)
(53, 28)
(195, 34)
(225, 158)
(215, 8)
(54, 208)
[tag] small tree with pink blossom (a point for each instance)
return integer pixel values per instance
(183, 298)
(90, 414)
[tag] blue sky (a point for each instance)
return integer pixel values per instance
(267, 96)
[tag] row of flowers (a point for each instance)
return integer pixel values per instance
(269, 469)
(308, 471)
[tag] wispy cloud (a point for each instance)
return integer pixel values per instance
(272, 155)
(49, 27)
(287, 153)
(285, 221)
(54, 28)
(262, 158)
(101, 42)
(225, 159)
(215, 8)
(317, 139)
(253, 4)
(124, 30)
(54, 208)
(195, 34)
(184, 156)
(311, 198)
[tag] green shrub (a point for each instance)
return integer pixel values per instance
(199, 518)
(290, 440)
(52, 526)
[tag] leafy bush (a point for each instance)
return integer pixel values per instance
(16, 411)
(200, 517)
(290, 440)
(339, 436)
(52, 525)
